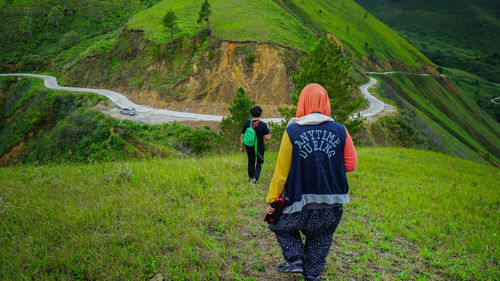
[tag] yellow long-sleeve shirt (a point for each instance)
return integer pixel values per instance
(282, 169)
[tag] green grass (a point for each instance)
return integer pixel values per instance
(266, 21)
(246, 20)
(413, 215)
(30, 41)
(98, 45)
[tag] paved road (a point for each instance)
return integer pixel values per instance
(121, 101)
(376, 106)
(155, 115)
(494, 100)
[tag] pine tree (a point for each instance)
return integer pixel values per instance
(327, 66)
(204, 14)
(239, 110)
(169, 22)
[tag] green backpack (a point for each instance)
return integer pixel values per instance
(250, 136)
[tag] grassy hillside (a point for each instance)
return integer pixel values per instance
(363, 34)
(413, 215)
(262, 21)
(45, 126)
(477, 89)
(458, 34)
(437, 100)
(33, 33)
(289, 23)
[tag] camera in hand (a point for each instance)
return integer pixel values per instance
(278, 205)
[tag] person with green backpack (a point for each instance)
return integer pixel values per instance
(252, 136)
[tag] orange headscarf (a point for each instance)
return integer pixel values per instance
(313, 98)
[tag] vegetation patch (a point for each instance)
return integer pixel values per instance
(477, 89)
(36, 32)
(396, 130)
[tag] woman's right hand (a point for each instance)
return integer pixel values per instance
(270, 210)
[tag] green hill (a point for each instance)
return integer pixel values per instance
(33, 42)
(413, 215)
(121, 45)
(458, 34)
(289, 23)
(450, 119)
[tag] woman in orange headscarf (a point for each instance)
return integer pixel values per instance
(315, 154)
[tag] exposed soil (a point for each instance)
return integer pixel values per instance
(12, 156)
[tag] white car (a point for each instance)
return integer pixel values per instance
(128, 111)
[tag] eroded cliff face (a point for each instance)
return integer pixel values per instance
(202, 76)
(259, 69)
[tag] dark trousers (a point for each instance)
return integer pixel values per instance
(253, 169)
(318, 227)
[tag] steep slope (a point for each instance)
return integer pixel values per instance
(441, 109)
(201, 76)
(290, 23)
(370, 42)
(458, 34)
(478, 89)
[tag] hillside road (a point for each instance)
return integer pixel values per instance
(152, 115)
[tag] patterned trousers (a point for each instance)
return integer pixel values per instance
(318, 227)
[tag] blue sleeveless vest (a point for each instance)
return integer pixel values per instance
(317, 173)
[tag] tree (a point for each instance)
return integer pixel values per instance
(55, 14)
(204, 13)
(239, 110)
(327, 66)
(27, 24)
(169, 22)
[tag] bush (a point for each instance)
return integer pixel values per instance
(69, 39)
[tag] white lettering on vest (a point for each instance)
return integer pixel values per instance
(317, 140)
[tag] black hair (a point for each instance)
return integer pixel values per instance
(256, 111)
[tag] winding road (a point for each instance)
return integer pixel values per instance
(494, 100)
(156, 116)
(376, 106)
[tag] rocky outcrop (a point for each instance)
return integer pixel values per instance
(258, 68)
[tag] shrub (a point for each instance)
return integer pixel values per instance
(69, 39)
